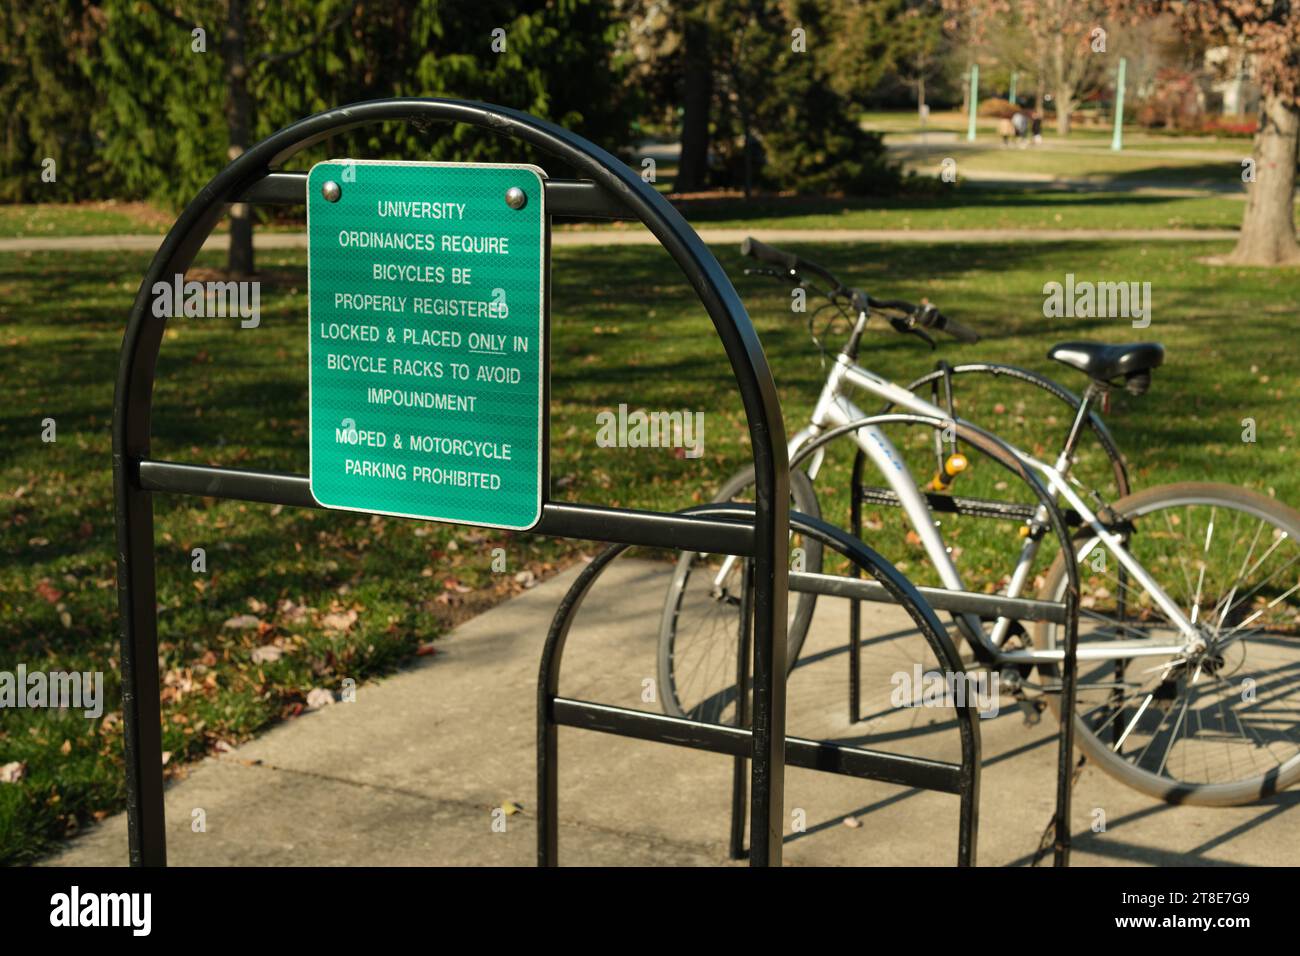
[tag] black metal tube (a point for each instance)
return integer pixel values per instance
(136, 586)
(559, 519)
(743, 651)
(548, 688)
(855, 605)
(141, 705)
(1065, 746)
(576, 198)
(900, 769)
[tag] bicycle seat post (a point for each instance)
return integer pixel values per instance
(1090, 395)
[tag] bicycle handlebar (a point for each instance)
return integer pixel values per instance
(932, 318)
(786, 260)
(962, 333)
(925, 315)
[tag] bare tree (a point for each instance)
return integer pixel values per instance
(1066, 51)
(1070, 39)
(919, 50)
(1269, 32)
(971, 23)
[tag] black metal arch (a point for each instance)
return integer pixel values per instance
(613, 190)
(554, 711)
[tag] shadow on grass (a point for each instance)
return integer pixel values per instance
(704, 211)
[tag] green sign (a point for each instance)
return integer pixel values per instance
(427, 304)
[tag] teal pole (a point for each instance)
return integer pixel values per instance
(974, 100)
(1117, 141)
(1012, 93)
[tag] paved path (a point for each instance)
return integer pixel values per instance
(990, 141)
(409, 773)
(636, 236)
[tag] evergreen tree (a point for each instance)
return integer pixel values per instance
(42, 48)
(762, 104)
(178, 105)
(781, 61)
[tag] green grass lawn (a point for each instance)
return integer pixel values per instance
(337, 595)
(52, 220)
(47, 220)
(967, 207)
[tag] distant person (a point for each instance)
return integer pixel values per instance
(1020, 123)
(1036, 127)
(1006, 130)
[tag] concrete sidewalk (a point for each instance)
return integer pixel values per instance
(637, 236)
(410, 773)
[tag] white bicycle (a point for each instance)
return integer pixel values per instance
(1189, 630)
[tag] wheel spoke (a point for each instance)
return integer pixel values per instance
(1179, 718)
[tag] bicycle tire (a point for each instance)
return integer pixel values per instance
(804, 499)
(1141, 505)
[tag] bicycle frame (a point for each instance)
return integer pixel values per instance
(834, 409)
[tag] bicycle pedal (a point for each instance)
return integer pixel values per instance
(1032, 711)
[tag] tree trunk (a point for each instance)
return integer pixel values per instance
(697, 102)
(238, 119)
(1064, 94)
(1064, 107)
(1268, 227)
(740, 90)
(920, 95)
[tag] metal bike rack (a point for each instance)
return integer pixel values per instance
(1064, 613)
(554, 711)
(611, 191)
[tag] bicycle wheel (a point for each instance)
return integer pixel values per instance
(1215, 727)
(699, 631)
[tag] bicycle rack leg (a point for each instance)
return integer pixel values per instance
(1065, 754)
(141, 709)
(548, 814)
(740, 772)
(548, 686)
(855, 606)
(968, 821)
